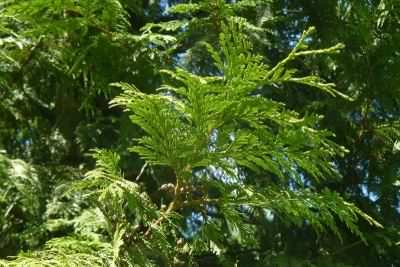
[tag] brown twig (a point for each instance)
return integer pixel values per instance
(141, 171)
(171, 207)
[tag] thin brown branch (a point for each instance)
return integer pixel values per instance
(171, 207)
(141, 171)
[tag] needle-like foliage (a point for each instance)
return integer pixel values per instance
(212, 132)
(228, 162)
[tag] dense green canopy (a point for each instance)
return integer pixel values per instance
(200, 133)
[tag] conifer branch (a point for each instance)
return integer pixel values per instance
(173, 205)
